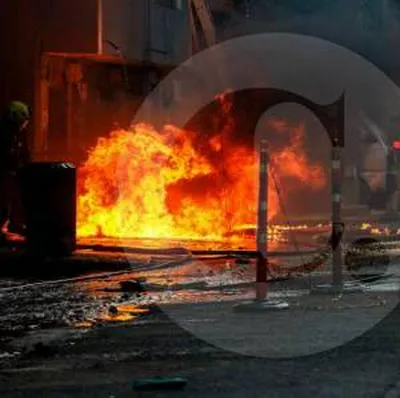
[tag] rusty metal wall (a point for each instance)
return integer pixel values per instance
(142, 29)
(66, 25)
(28, 28)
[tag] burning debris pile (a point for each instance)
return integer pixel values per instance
(182, 184)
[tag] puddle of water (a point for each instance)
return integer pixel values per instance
(118, 313)
(192, 282)
(384, 287)
(124, 317)
(87, 303)
(83, 325)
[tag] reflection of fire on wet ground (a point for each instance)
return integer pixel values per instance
(99, 299)
(159, 281)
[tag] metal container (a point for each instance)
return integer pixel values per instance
(49, 201)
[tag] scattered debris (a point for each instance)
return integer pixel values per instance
(9, 355)
(113, 310)
(42, 350)
(133, 286)
(159, 384)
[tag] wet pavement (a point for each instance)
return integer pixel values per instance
(58, 335)
(124, 295)
(88, 289)
(204, 343)
(126, 286)
(95, 298)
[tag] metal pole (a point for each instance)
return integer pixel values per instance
(148, 41)
(391, 183)
(70, 115)
(262, 223)
(337, 226)
(44, 108)
(99, 27)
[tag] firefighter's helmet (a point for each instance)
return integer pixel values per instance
(18, 112)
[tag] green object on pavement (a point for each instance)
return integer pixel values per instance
(159, 383)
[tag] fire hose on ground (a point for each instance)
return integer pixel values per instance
(181, 256)
(106, 275)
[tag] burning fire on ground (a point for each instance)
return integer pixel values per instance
(143, 183)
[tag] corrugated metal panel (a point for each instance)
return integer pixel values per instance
(66, 26)
(28, 27)
(221, 5)
(368, 27)
(124, 24)
(151, 30)
(169, 34)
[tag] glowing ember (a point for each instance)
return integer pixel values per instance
(376, 230)
(145, 183)
(365, 226)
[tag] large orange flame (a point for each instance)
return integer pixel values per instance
(160, 184)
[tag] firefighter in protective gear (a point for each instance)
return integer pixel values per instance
(14, 154)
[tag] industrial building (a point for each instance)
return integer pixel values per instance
(143, 253)
(86, 66)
